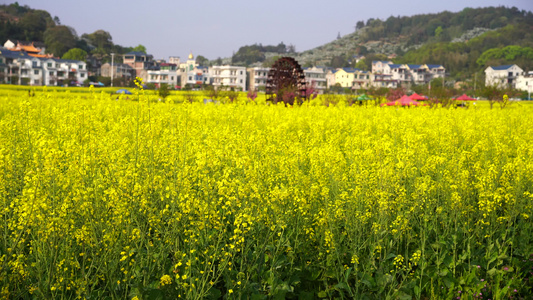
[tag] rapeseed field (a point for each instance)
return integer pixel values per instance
(127, 197)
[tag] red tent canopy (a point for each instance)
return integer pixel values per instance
(418, 97)
(403, 101)
(464, 97)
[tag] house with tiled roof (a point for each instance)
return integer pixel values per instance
(316, 77)
(502, 76)
(345, 77)
(17, 67)
(140, 62)
(408, 74)
(378, 66)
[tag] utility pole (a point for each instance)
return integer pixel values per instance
(475, 81)
(112, 66)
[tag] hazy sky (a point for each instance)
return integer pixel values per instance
(218, 28)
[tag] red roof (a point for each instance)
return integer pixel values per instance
(464, 97)
(418, 97)
(403, 101)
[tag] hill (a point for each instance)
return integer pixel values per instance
(456, 40)
(22, 23)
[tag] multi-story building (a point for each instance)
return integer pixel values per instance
(525, 82)
(257, 78)
(330, 78)
(228, 76)
(408, 74)
(383, 81)
(198, 76)
(19, 68)
(165, 73)
(123, 71)
(345, 77)
(140, 62)
(502, 76)
(378, 66)
(316, 77)
(362, 79)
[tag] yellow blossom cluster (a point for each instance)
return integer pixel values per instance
(99, 195)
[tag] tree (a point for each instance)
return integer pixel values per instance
(394, 94)
(75, 54)
(34, 24)
(163, 91)
(59, 40)
(338, 61)
(202, 61)
(140, 48)
(359, 25)
(100, 39)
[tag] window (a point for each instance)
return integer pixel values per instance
(49, 65)
(36, 72)
(80, 67)
(190, 77)
(82, 75)
(51, 73)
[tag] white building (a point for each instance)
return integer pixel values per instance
(378, 66)
(19, 68)
(502, 76)
(316, 77)
(407, 74)
(228, 76)
(165, 73)
(525, 82)
(257, 78)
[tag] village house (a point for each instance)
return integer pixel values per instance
(140, 62)
(228, 76)
(257, 78)
(17, 67)
(502, 76)
(316, 78)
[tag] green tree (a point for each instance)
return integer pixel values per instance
(438, 31)
(59, 40)
(140, 48)
(100, 39)
(75, 54)
(202, 61)
(34, 24)
(163, 90)
(509, 54)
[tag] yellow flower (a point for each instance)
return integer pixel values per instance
(165, 280)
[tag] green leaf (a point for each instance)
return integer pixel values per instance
(347, 274)
(322, 294)
(417, 291)
(342, 286)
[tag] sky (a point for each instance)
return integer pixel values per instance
(219, 28)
